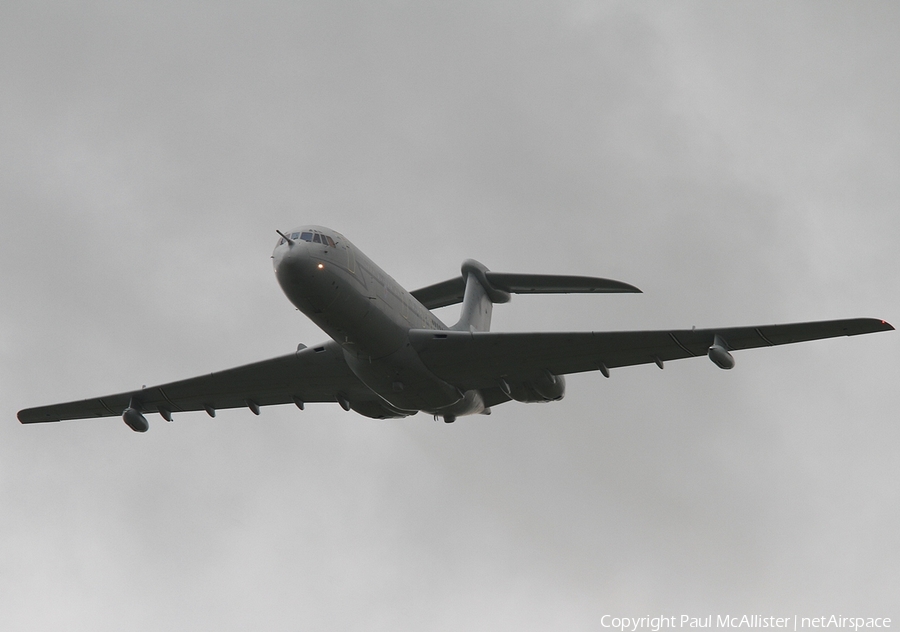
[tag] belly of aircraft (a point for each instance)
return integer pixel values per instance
(403, 381)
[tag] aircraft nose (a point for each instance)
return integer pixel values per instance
(288, 251)
(300, 264)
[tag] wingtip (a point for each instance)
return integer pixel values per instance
(34, 416)
(876, 324)
(621, 286)
(27, 416)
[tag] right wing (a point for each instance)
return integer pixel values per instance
(480, 359)
(317, 374)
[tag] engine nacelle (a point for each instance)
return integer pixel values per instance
(135, 420)
(546, 387)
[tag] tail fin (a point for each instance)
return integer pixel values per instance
(478, 289)
(479, 298)
(499, 285)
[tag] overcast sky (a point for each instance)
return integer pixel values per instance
(736, 161)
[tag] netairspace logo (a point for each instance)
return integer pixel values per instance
(746, 621)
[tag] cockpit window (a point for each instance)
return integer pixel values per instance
(311, 237)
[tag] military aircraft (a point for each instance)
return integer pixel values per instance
(389, 356)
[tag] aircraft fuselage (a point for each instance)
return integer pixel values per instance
(365, 311)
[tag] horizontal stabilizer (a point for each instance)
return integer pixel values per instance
(555, 284)
(451, 291)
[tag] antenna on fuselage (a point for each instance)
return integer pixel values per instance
(286, 238)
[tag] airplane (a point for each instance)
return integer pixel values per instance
(390, 356)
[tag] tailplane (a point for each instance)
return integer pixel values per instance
(478, 289)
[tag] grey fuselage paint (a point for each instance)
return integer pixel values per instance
(369, 314)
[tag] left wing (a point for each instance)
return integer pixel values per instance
(317, 374)
(480, 359)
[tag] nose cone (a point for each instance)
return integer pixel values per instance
(290, 260)
(303, 277)
(286, 250)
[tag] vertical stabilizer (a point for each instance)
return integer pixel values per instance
(478, 301)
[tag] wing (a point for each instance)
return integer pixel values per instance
(479, 359)
(318, 374)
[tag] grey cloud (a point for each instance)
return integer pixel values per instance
(736, 162)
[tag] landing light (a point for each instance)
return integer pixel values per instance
(321, 266)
